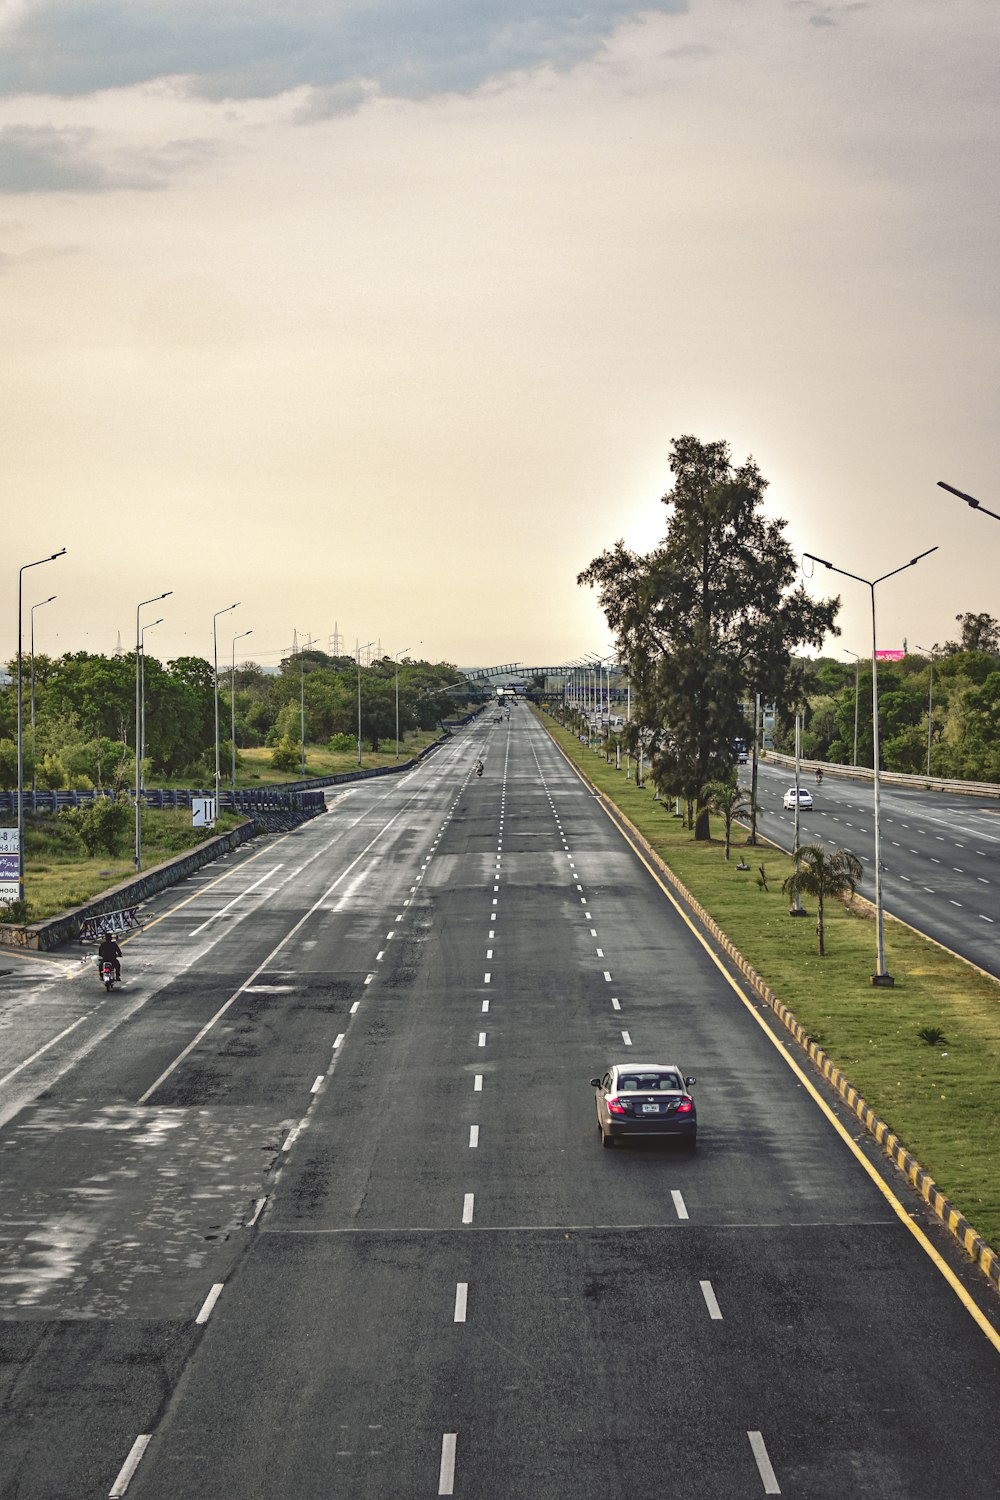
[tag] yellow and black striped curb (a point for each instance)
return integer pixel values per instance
(982, 1254)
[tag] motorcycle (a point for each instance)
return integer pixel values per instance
(479, 770)
(107, 973)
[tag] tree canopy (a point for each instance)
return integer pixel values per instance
(707, 619)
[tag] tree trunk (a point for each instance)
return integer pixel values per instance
(819, 923)
(702, 829)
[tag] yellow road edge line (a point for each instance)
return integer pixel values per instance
(986, 1258)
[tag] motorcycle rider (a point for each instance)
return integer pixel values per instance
(819, 776)
(479, 768)
(109, 952)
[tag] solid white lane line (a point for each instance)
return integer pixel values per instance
(316, 1086)
(354, 1007)
(130, 1465)
(446, 1475)
(626, 1039)
(679, 1204)
(461, 1300)
(477, 1084)
(222, 909)
(35, 1055)
(482, 1039)
(209, 1303)
(763, 1464)
(338, 1040)
(473, 1137)
(711, 1301)
(615, 1005)
(468, 1208)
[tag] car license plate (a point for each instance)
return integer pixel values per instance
(651, 1109)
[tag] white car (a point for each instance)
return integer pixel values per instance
(804, 796)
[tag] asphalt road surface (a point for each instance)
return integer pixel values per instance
(316, 1206)
(940, 852)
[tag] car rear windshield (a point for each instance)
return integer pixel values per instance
(644, 1083)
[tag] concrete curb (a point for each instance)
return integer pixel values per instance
(978, 1251)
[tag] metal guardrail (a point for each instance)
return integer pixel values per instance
(253, 799)
(897, 778)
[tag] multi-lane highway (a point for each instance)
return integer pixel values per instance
(940, 851)
(316, 1206)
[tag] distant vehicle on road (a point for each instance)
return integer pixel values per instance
(645, 1099)
(803, 794)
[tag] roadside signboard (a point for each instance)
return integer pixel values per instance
(202, 812)
(8, 864)
(889, 655)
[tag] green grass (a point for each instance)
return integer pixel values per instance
(943, 1102)
(58, 874)
(256, 768)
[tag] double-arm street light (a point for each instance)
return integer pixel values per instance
(20, 720)
(232, 709)
(215, 675)
(969, 499)
(357, 657)
(880, 977)
(39, 605)
(137, 856)
(396, 656)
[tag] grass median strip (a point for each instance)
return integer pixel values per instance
(940, 1096)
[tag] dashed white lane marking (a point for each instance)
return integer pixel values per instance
(494, 900)
(354, 1007)
(955, 903)
(486, 977)
(130, 1465)
(380, 955)
(446, 1475)
(209, 1303)
(486, 1006)
(764, 1468)
(318, 1084)
(711, 1301)
(482, 1039)
(338, 1040)
(258, 1210)
(600, 952)
(615, 1005)
(477, 1084)
(291, 1137)
(461, 1300)
(369, 978)
(607, 977)
(985, 919)
(626, 1039)
(492, 934)
(238, 897)
(473, 1137)
(679, 1204)
(468, 1208)
(489, 953)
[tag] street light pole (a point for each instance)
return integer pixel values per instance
(395, 658)
(857, 681)
(137, 855)
(881, 977)
(232, 708)
(215, 683)
(20, 722)
(930, 705)
(142, 689)
(33, 608)
(357, 657)
(302, 706)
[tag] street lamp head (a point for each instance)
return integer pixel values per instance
(969, 499)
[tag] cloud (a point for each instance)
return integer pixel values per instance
(46, 159)
(262, 48)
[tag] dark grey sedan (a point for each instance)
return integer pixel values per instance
(645, 1099)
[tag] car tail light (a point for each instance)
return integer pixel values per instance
(685, 1106)
(616, 1106)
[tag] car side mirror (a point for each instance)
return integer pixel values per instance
(690, 1080)
(595, 1083)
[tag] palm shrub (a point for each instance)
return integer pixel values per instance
(730, 802)
(821, 874)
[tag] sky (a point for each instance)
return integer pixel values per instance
(379, 316)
